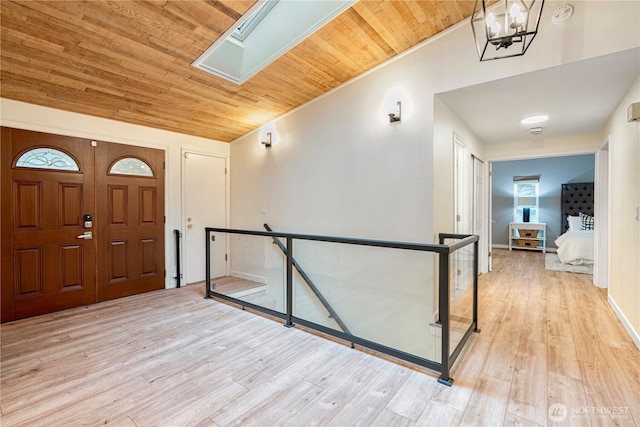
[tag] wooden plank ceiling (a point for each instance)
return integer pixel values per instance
(131, 60)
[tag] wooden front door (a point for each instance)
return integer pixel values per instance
(131, 225)
(46, 266)
(51, 258)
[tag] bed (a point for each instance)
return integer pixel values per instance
(575, 245)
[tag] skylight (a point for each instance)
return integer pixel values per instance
(268, 30)
(243, 31)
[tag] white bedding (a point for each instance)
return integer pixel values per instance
(575, 247)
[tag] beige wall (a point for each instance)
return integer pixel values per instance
(624, 192)
(42, 119)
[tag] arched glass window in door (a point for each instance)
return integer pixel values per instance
(47, 158)
(131, 166)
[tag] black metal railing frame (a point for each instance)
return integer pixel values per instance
(444, 251)
(177, 236)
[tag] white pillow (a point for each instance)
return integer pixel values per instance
(575, 223)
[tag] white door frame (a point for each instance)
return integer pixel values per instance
(459, 185)
(601, 212)
(479, 210)
(489, 220)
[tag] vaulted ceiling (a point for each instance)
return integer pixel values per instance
(131, 60)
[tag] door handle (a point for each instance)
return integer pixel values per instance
(87, 235)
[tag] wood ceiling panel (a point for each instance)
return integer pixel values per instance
(131, 60)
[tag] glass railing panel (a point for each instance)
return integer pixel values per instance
(460, 294)
(257, 272)
(379, 294)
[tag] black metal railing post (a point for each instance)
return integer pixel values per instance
(475, 285)
(443, 311)
(289, 313)
(178, 235)
(207, 256)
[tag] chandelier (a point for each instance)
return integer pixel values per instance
(505, 28)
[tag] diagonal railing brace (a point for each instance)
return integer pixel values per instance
(332, 314)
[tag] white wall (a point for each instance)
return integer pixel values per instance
(36, 118)
(624, 228)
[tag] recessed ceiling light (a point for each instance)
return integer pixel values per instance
(534, 119)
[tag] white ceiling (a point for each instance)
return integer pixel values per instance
(578, 97)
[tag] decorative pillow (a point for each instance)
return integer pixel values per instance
(575, 223)
(587, 222)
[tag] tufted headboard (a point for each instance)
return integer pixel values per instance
(576, 198)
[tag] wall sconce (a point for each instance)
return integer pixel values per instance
(397, 116)
(267, 143)
(633, 112)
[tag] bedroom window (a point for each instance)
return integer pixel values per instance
(525, 198)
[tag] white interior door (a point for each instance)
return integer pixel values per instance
(205, 206)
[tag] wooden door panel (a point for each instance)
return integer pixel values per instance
(118, 261)
(148, 262)
(117, 196)
(71, 267)
(147, 205)
(70, 205)
(27, 208)
(132, 251)
(27, 272)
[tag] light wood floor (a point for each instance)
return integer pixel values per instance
(171, 358)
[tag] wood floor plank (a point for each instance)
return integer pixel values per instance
(561, 357)
(606, 403)
(488, 403)
(410, 401)
(438, 414)
(568, 392)
(501, 360)
(528, 396)
(366, 406)
(466, 373)
(389, 418)
(325, 407)
(515, 421)
(290, 403)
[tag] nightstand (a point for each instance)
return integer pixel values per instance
(528, 235)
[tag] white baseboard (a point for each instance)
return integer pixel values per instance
(625, 322)
(247, 276)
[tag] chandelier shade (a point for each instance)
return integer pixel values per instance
(505, 28)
